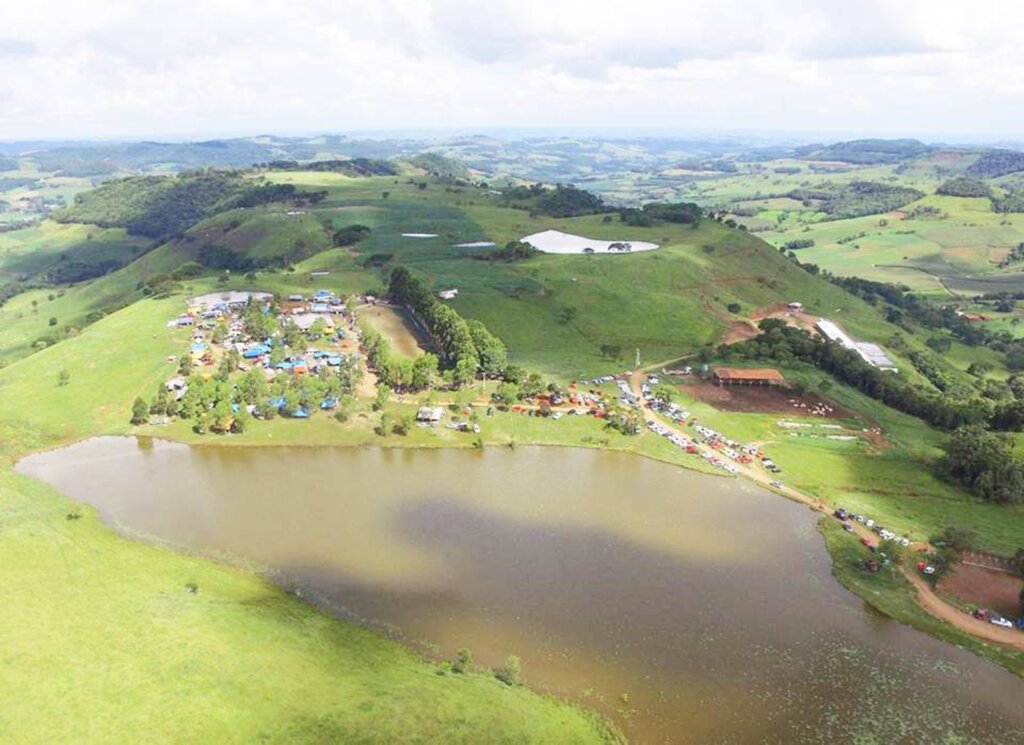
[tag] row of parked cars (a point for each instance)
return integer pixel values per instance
(884, 533)
(983, 614)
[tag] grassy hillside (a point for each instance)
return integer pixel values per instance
(107, 640)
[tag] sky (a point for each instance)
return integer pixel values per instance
(82, 69)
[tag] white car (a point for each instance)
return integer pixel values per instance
(929, 570)
(869, 522)
(1000, 621)
(776, 484)
(905, 542)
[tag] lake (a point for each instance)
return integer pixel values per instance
(683, 606)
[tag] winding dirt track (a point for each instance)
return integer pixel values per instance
(926, 597)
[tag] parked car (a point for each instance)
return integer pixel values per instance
(776, 484)
(1000, 621)
(847, 527)
(869, 522)
(867, 542)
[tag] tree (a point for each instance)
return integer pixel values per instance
(511, 672)
(241, 421)
(384, 426)
(158, 405)
(185, 365)
(507, 393)
(253, 387)
(343, 412)
(140, 411)
(317, 329)
(957, 538)
(465, 370)
(53, 320)
(63, 378)
(665, 392)
(382, 397)
(424, 369)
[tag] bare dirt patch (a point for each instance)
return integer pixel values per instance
(393, 326)
(985, 588)
(740, 331)
(765, 400)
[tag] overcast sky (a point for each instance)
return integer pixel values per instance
(125, 68)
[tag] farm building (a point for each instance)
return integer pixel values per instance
(448, 294)
(795, 306)
(747, 376)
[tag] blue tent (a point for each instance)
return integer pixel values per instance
(285, 365)
(278, 402)
(334, 361)
(198, 347)
(300, 413)
(329, 403)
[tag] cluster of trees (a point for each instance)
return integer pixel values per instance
(349, 235)
(511, 251)
(964, 186)
(270, 193)
(686, 213)
(562, 200)
(985, 463)
(464, 347)
(856, 199)
(787, 345)
(797, 244)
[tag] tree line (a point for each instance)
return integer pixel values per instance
(464, 347)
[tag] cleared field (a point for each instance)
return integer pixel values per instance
(393, 326)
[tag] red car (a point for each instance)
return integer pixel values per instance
(867, 542)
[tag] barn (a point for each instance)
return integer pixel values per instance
(747, 376)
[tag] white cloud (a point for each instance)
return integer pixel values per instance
(93, 68)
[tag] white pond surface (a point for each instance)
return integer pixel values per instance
(419, 235)
(557, 242)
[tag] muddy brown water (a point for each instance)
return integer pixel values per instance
(683, 606)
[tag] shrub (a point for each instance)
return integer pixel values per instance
(511, 672)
